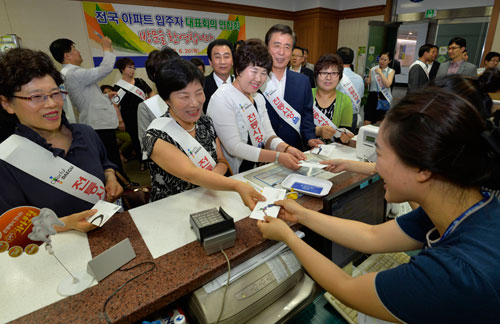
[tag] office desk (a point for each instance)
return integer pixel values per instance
(176, 274)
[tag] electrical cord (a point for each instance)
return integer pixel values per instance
(119, 288)
(225, 289)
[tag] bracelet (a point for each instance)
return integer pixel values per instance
(286, 148)
(277, 157)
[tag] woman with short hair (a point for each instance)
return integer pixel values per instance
(332, 109)
(29, 88)
(183, 144)
(240, 116)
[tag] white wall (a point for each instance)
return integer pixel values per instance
(38, 23)
(353, 32)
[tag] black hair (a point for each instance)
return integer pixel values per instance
(106, 87)
(491, 55)
(19, 66)
(306, 50)
(158, 58)
(219, 42)
(282, 29)
(459, 41)
(346, 54)
(424, 49)
(59, 47)
(389, 55)
(252, 52)
(122, 63)
(198, 62)
(326, 61)
(176, 75)
(299, 48)
(436, 130)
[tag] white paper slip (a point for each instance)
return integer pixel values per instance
(267, 207)
(312, 164)
(366, 319)
(323, 149)
(104, 212)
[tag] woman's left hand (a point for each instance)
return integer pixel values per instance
(113, 189)
(248, 194)
(296, 152)
(274, 229)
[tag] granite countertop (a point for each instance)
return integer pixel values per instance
(176, 274)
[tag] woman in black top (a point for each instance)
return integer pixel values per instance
(130, 101)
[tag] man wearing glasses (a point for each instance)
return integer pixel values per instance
(457, 65)
(297, 64)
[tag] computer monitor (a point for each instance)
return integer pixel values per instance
(362, 201)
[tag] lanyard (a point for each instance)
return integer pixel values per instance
(469, 211)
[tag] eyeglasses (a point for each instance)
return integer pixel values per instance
(40, 98)
(130, 67)
(452, 48)
(329, 74)
(297, 55)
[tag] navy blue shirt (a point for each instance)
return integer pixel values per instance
(455, 280)
(21, 189)
(298, 94)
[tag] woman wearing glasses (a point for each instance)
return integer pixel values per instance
(240, 117)
(48, 162)
(332, 109)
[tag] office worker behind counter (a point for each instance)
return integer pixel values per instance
(29, 88)
(240, 117)
(432, 148)
(184, 146)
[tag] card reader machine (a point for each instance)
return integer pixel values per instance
(214, 229)
(365, 144)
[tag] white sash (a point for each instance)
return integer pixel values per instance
(386, 92)
(422, 65)
(130, 88)
(247, 109)
(282, 108)
(40, 163)
(67, 106)
(347, 84)
(194, 150)
(321, 120)
(156, 105)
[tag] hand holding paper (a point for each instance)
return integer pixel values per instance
(267, 207)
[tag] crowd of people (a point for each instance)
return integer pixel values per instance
(438, 147)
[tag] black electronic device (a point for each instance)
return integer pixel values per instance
(362, 201)
(214, 229)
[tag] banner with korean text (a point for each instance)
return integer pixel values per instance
(137, 30)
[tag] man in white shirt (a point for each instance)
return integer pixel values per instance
(297, 64)
(418, 74)
(95, 109)
(291, 111)
(220, 56)
(355, 89)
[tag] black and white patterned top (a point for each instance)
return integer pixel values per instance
(163, 183)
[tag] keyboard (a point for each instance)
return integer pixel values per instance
(374, 263)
